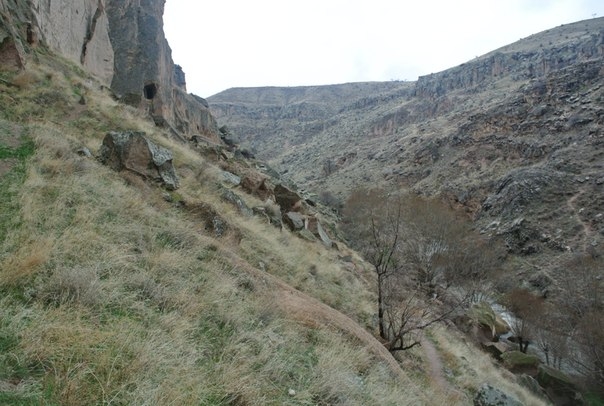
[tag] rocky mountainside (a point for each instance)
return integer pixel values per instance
(145, 258)
(139, 269)
(120, 42)
(513, 137)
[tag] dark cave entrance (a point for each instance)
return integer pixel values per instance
(150, 91)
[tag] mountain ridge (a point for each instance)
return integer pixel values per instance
(493, 136)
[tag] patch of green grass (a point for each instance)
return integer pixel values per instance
(593, 399)
(214, 333)
(19, 399)
(10, 183)
(26, 149)
(13, 364)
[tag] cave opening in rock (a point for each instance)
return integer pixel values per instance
(150, 91)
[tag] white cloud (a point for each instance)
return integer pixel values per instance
(231, 43)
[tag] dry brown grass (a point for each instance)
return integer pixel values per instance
(110, 295)
(470, 368)
(25, 79)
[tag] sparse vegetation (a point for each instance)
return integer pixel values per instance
(114, 293)
(420, 252)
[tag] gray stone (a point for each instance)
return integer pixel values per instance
(307, 235)
(85, 152)
(230, 178)
(134, 152)
(324, 237)
(236, 200)
(294, 220)
(487, 395)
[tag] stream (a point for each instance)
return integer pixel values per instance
(533, 348)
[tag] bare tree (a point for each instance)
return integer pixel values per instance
(411, 244)
(581, 304)
(374, 225)
(551, 334)
(525, 306)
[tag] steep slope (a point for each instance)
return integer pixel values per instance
(510, 137)
(116, 291)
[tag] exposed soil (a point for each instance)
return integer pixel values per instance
(436, 372)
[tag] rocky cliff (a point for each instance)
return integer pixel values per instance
(514, 138)
(533, 57)
(122, 43)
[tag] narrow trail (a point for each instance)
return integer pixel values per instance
(436, 373)
(587, 231)
(435, 365)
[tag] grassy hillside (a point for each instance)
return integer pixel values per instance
(112, 291)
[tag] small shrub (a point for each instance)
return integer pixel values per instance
(24, 79)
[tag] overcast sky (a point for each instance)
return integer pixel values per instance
(241, 43)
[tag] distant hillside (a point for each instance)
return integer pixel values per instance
(513, 137)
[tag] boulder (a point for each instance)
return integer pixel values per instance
(496, 349)
(256, 184)
(287, 199)
(483, 314)
(487, 395)
(314, 226)
(134, 152)
(558, 386)
(230, 178)
(294, 220)
(236, 200)
(518, 362)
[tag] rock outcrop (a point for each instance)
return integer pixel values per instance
(512, 138)
(133, 152)
(488, 395)
(522, 63)
(145, 75)
(122, 43)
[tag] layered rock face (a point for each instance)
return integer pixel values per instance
(78, 30)
(537, 57)
(145, 75)
(122, 43)
(514, 138)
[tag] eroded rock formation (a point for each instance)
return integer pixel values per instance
(122, 43)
